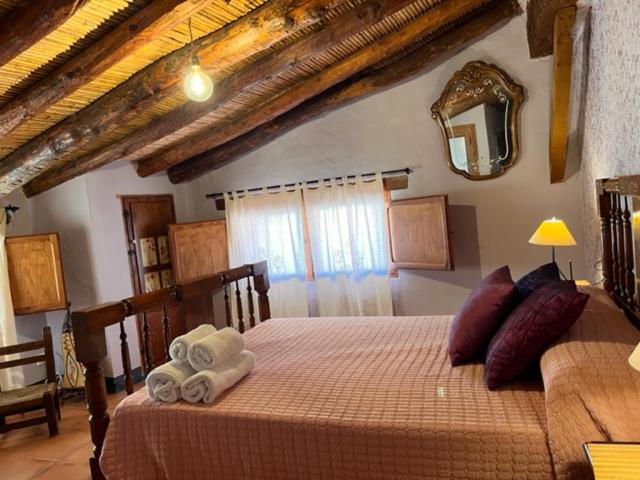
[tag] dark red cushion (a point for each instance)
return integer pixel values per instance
(480, 316)
(541, 275)
(537, 322)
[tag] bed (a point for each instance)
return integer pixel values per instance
(343, 398)
(376, 398)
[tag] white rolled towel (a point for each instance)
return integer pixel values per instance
(214, 349)
(164, 382)
(180, 345)
(206, 385)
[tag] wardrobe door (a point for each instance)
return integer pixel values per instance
(35, 273)
(198, 249)
(419, 233)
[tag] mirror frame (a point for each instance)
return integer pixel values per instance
(477, 79)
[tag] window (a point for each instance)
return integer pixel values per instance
(343, 246)
(268, 227)
(347, 229)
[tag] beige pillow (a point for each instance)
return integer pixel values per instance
(597, 294)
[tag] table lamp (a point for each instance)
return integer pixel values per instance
(634, 359)
(553, 233)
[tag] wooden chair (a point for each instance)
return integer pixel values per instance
(35, 397)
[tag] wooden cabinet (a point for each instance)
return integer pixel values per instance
(198, 249)
(419, 233)
(35, 273)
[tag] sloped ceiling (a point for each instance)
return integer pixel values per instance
(96, 81)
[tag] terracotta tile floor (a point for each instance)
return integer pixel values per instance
(29, 453)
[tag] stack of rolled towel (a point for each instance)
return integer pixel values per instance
(204, 363)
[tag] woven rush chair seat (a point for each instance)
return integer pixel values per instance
(34, 393)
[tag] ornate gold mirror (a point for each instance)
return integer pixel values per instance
(478, 115)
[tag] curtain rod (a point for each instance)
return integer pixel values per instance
(388, 173)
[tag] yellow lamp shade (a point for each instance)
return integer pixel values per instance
(634, 359)
(553, 233)
(197, 84)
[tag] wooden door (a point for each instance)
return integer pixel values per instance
(147, 219)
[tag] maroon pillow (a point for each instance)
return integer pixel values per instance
(480, 316)
(539, 320)
(548, 272)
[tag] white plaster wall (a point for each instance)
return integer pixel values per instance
(87, 214)
(113, 278)
(65, 210)
(491, 220)
(610, 111)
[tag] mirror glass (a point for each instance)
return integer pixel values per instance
(477, 113)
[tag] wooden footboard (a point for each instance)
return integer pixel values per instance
(90, 341)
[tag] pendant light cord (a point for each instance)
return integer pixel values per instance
(194, 58)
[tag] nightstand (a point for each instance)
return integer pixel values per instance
(614, 460)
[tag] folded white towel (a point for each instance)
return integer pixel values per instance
(180, 345)
(214, 349)
(164, 382)
(206, 385)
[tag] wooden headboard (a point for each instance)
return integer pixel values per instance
(620, 233)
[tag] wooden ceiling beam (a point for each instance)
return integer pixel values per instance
(362, 85)
(23, 27)
(255, 32)
(561, 93)
(149, 23)
(426, 24)
(541, 16)
(271, 65)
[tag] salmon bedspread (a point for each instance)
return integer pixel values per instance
(592, 393)
(340, 398)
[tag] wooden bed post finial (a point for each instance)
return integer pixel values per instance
(261, 285)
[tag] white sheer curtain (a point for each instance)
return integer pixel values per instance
(349, 247)
(268, 226)
(12, 377)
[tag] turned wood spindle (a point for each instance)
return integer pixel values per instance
(239, 308)
(620, 249)
(166, 332)
(126, 360)
(629, 276)
(614, 245)
(604, 204)
(146, 344)
(252, 317)
(227, 304)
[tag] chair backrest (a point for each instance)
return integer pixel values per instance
(46, 343)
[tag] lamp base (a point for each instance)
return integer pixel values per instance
(553, 259)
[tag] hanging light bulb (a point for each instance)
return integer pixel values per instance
(197, 84)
